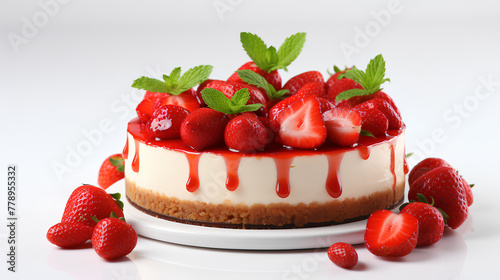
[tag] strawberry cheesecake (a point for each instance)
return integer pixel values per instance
(249, 152)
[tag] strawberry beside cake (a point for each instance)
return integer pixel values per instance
(249, 152)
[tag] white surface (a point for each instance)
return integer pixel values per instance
(68, 88)
(226, 238)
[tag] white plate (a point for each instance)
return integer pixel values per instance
(246, 239)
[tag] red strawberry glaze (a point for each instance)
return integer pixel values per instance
(232, 164)
(125, 150)
(283, 158)
(193, 182)
(135, 161)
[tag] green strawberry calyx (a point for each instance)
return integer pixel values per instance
(111, 215)
(371, 79)
(175, 83)
(216, 100)
(422, 198)
(257, 80)
(118, 162)
(269, 59)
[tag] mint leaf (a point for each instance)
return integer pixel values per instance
(216, 100)
(118, 163)
(290, 50)
(257, 80)
(366, 133)
(351, 93)
(268, 59)
(370, 80)
(174, 83)
(255, 48)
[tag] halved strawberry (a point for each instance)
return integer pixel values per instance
(273, 78)
(246, 133)
(301, 124)
(186, 100)
(204, 128)
(390, 234)
(296, 82)
(374, 121)
(166, 122)
(395, 121)
(343, 126)
(278, 107)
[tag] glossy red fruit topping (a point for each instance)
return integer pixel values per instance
(273, 78)
(375, 122)
(113, 238)
(296, 82)
(383, 106)
(246, 133)
(145, 109)
(343, 255)
(391, 235)
(68, 235)
(204, 128)
(336, 86)
(111, 171)
(302, 125)
(257, 95)
(86, 201)
(445, 186)
(166, 122)
(343, 126)
(430, 222)
(186, 100)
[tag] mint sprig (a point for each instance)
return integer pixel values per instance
(267, 58)
(255, 79)
(216, 100)
(371, 79)
(175, 83)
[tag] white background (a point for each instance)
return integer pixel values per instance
(65, 73)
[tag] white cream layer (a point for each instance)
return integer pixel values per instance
(166, 172)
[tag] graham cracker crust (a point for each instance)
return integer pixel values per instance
(260, 216)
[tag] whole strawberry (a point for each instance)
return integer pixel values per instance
(87, 201)
(430, 221)
(343, 255)
(67, 235)
(113, 238)
(425, 166)
(444, 185)
(111, 171)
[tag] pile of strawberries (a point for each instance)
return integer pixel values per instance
(438, 195)
(93, 214)
(253, 109)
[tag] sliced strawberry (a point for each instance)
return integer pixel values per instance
(390, 234)
(295, 83)
(204, 128)
(257, 95)
(273, 78)
(145, 109)
(301, 124)
(374, 121)
(343, 126)
(395, 121)
(278, 107)
(166, 122)
(246, 133)
(186, 100)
